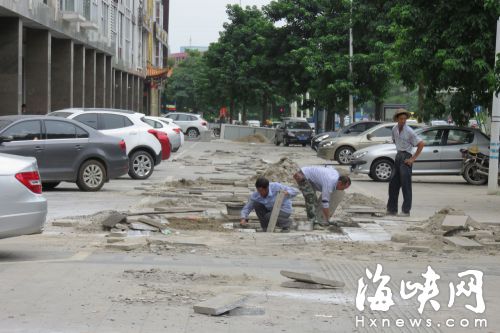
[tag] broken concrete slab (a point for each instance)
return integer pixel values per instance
(167, 210)
(245, 311)
(113, 219)
(65, 223)
(153, 222)
(124, 246)
(454, 221)
(112, 240)
(304, 285)
(367, 210)
(462, 242)
(416, 248)
(118, 233)
(142, 226)
(219, 304)
(309, 278)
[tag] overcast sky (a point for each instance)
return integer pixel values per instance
(199, 20)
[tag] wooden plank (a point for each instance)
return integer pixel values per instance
(219, 304)
(276, 211)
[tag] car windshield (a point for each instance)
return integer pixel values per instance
(298, 125)
(4, 123)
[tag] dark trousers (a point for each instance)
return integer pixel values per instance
(401, 179)
(264, 216)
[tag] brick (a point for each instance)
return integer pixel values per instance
(309, 278)
(463, 242)
(219, 304)
(113, 219)
(454, 221)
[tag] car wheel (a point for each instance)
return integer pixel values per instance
(472, 177)
(49, 185)
(141, 165)
(381, 170)
(304, 144)
(276, 142)
(91, 176)
(285, 142)
(193, 133)
(343, 155)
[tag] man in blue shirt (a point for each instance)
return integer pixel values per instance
(263, 201)
(405, 139)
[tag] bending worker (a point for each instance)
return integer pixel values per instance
(325, 180)
(263, 201)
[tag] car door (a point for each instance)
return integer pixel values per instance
(455, 139)
(380, 135)
(430, 159)
(27, 140)
(64, 143)
(183, 121)
(120, 127)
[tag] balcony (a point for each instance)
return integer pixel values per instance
(72, 10)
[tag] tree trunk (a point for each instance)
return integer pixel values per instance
(421, 100)
(231, 110)
(244, 115)
(379, 104)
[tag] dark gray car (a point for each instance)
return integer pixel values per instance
(65, 150)
(293, 131)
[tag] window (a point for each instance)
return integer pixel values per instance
(193, 118)
(459, 137)
(24, 131)
(183, 117)
(81, 133)
(382, 132)
(104, 19)
(432, 137)
(112, 121)
(298, 125)
(4, 123)
(59, 130)
(89, 119)
(173, 116)
(60, 114)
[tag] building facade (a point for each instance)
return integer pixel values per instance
(57, 54)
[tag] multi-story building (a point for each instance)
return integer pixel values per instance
(57, 54)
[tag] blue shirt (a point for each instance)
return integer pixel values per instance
(324, 180)
(268, 201)
(406, 139)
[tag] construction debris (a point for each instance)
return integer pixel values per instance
(304, 285)
(219, 304)
(309, 278)
(454, 221)
(113, 219)
(463, 242)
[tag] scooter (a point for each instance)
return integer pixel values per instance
(475, 166)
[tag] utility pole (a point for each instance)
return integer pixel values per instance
(351, 53)
(495, 131)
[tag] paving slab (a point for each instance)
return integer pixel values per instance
(309, 278)
(65, 223)
(153, 222)
(113, 219)
(463, 242)
(220, 304)
(451, 222)
(142, 226)
(304, 285)
(276, 211)
(416, 248)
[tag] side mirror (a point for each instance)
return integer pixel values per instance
(369, 136)
(6, 139)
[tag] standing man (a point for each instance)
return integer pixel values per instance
(405, 139)
(263, 202)
(325, 180)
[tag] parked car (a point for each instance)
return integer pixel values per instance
(23, 209)
(167, 126)
(440, 156)
(349, 130)
(146, 147)
(65, 150)
(293, 130)
(341, 149)
(191, 124)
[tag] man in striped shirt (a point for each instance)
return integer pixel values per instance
(325, 180)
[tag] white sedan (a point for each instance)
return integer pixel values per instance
(166, 125)
(23, 209)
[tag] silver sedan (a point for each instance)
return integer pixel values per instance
(23, 209)
(440, 156)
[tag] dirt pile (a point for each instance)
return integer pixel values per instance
(281, 171)
(358, 199)
(199, 182)
(256, 138)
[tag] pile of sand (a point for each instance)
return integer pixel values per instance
(358, 199)
(256, 138)
(281, 171)
(199, 182)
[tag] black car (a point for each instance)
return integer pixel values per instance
(65, 150)
(351, 129)
(293, 130)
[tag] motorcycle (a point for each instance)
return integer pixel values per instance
(475, 166)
